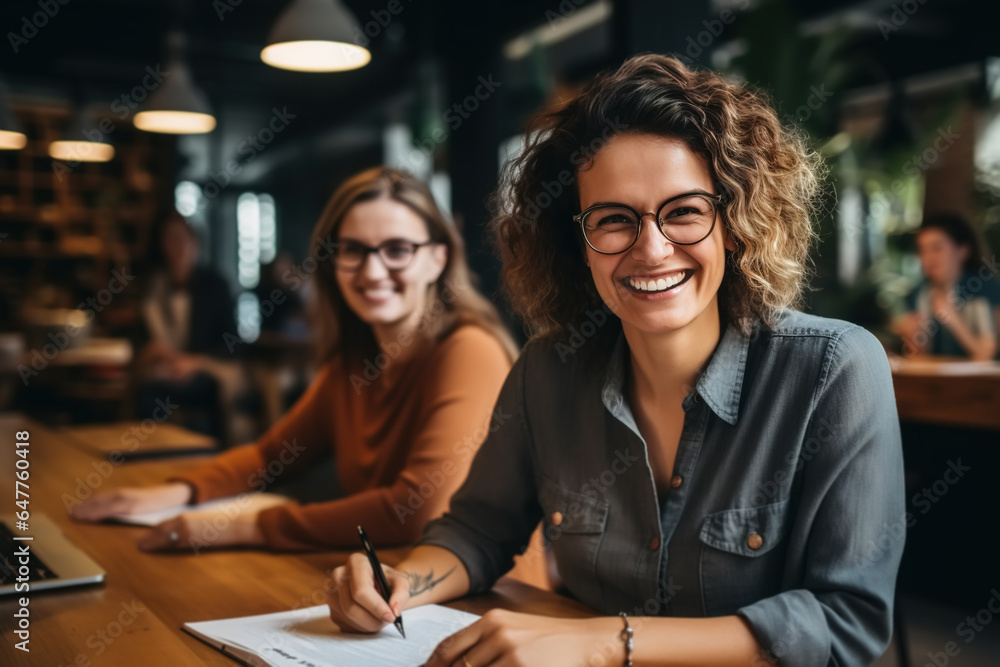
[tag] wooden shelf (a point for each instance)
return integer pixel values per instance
(66, 230)
(38, 251)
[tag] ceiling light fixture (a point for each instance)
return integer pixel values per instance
(176, 106)
(82, 141)
(315, 36)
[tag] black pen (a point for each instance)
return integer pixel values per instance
(380, 581)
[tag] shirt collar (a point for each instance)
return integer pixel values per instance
(720, 384)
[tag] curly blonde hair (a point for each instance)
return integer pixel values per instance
(768, 177)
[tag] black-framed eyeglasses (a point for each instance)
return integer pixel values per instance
(686, 219)
(396, 254)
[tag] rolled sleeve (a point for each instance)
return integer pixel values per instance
(492, 515)
(853, 489)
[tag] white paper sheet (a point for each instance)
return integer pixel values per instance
(232, 506)
(308, 638)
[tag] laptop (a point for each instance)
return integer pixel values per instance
(52, 561)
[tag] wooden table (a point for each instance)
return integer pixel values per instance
(949, 392)
(147, 438)
(157, 593)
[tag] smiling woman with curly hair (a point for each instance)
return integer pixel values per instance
(762, 171)
(702, 455)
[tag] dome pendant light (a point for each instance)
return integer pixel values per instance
(78, 143)
(315, 36)
(176, 106)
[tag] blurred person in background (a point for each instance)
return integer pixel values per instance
(702, 455)
(955, 312)
(413, 358)
(289, 316)
(186, 312)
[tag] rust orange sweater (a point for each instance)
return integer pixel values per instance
(400, 451)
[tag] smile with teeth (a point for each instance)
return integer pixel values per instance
(377, 292)
(661, 284)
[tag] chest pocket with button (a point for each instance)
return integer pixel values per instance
(742, 557)
(573, 526)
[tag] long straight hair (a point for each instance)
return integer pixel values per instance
(452, 301)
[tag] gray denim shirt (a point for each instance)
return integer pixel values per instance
(786, 505)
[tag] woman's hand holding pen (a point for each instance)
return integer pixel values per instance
(428, 575)
(431, 575)
(355, 602)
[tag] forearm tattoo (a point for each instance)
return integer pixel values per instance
(421, 583)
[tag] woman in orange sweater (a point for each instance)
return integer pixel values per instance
(414, 358)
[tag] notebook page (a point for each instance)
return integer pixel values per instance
(308, 638)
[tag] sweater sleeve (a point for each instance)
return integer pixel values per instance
(459, 393)
(295, 442)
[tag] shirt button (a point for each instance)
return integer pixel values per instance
(697, 399)
(755, 541)
(655, 544)
(676, 481)
(557, 518)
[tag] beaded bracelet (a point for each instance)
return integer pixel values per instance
(626, 635)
